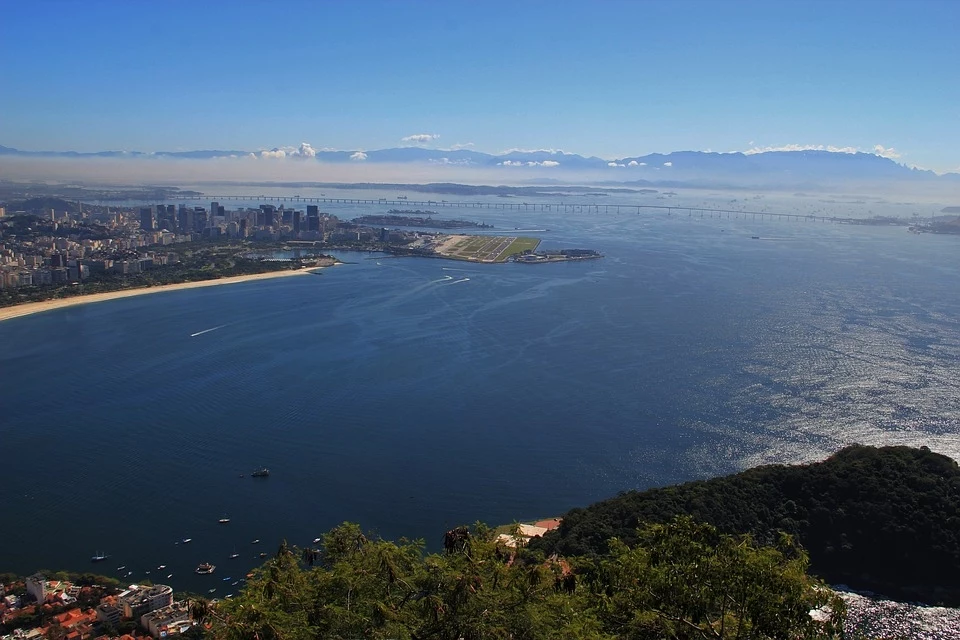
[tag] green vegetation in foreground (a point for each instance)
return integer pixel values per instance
(881, 519)
(520, 245)
(679, 580)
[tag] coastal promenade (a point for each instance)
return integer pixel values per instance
(16, 311)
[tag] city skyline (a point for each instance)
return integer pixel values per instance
(610, 80)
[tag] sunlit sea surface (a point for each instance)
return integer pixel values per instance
(411, 395)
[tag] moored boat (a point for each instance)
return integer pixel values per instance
(99, 556)
(262, 472)
(205, 568)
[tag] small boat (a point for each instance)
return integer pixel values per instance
(262, 472)
(211, 590)
(224, 520)
(147, 572)
(169, 576)
(122, 567)
(317, 540)
(228, 596)
(234, 555)
(99, 556)
(161, 567)
(234, 583)
(227, 579)
(129, 573)
(257, 541)
(263, 554)
(186, 541)
(205, 568)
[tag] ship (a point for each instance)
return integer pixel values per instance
(262, 472)
(99, 556)
(205, 568)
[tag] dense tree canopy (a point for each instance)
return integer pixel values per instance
(680, 580)
(885, 519)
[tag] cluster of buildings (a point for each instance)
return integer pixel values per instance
(71, 615)
(68, 247)
(62, 249)
(267, 222)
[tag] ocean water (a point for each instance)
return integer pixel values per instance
(413, 395)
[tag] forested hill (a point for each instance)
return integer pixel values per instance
(883, 519)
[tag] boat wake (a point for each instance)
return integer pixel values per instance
(200, 333)
(443, 279)
(458, 281)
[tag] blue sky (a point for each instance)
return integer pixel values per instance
(599, 78)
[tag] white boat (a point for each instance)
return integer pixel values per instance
(317, 540)
(257, 541)
(161, 567)
(205, 568)
(186, 541)
(169, 576)
(99, 556)
(224, 520)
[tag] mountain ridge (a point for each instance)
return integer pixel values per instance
(785, 168)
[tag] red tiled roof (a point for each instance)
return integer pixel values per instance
(549, 523)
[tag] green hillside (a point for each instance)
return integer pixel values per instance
(883, 519)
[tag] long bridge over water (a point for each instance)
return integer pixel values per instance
(563, 207)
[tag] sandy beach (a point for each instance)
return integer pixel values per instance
(7, 313)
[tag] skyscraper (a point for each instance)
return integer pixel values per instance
(146, 219)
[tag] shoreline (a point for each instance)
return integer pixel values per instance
(30, 308)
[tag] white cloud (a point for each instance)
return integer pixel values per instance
(420, 138)
(463, 145)
(885, 152)
(358, 155)
(615, 164)
(304, 151)
(448, 161)
(634, 163)
(518, 163)
(668, 164)
(517, 150)
(877, 150)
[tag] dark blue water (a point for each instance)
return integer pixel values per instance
(413, 395)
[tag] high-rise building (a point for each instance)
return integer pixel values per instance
(296, 222)
(146, 219)
(199, 219)
(214, 209)
(313, 210)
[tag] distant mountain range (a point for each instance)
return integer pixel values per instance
(795, 169)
